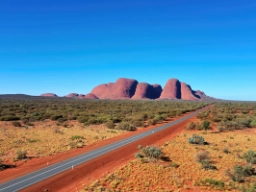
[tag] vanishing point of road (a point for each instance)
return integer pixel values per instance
(42, 174)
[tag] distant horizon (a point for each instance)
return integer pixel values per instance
(114, 82)
(72, 46)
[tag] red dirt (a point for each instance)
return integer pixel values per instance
(84, 174)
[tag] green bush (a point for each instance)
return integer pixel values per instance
(213, 183)
(21, 154)
(76, 137)
(250, 156)
(150, 153)
(56, 117)
(196, 139)
(239, 172)
(125, 126)
(9, 118)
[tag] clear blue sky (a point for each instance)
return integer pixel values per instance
(65, 46)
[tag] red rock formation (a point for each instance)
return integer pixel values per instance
(124, 88)
(72, 95)
(90, 96)
(81, 96)
(172, 90)
(187, 92)
(143, 91)
(49, 95)
(200, 93)
(129, 88)
(103, 91)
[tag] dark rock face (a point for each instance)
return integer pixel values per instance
(145, 91)
(49, 95)
(157, 90)
(172, 90)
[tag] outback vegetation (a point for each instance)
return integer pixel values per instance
(216, 152)
(37, 127)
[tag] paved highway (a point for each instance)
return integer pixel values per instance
(32, 178)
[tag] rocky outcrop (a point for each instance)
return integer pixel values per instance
(187, 93)
(123, 88)
(72, 95)
(90, 96)
(49, 95)
(172, 90)
(131, 89)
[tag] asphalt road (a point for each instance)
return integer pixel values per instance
(37, 176)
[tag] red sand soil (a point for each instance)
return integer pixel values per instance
(85, 174)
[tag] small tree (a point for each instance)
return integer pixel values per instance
(206, 125)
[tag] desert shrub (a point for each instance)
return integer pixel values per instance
(82, 119)
(213, 183)
(55, 117)
(239, 172)
(125, 126)
(253, 123)
(76, 137)
(72, 145)
(159, 118)
(152, 122)
(137, 123)
(62, 120)
(196, 139)
(250, 156)
(21, 154)
(173, 164)
(249, 188)
(9, 118)
(202, 155)
(151, 153)
(16, 124)
(207, 165)
(33, 140)
(110, 124)
(226, 150)
(205, 125)
(191, 126)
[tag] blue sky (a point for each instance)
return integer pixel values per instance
(65, 46)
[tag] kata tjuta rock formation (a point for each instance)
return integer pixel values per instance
(49, 95)
(147, 91)
(130, 88)
(125, 88)
(122, 89)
